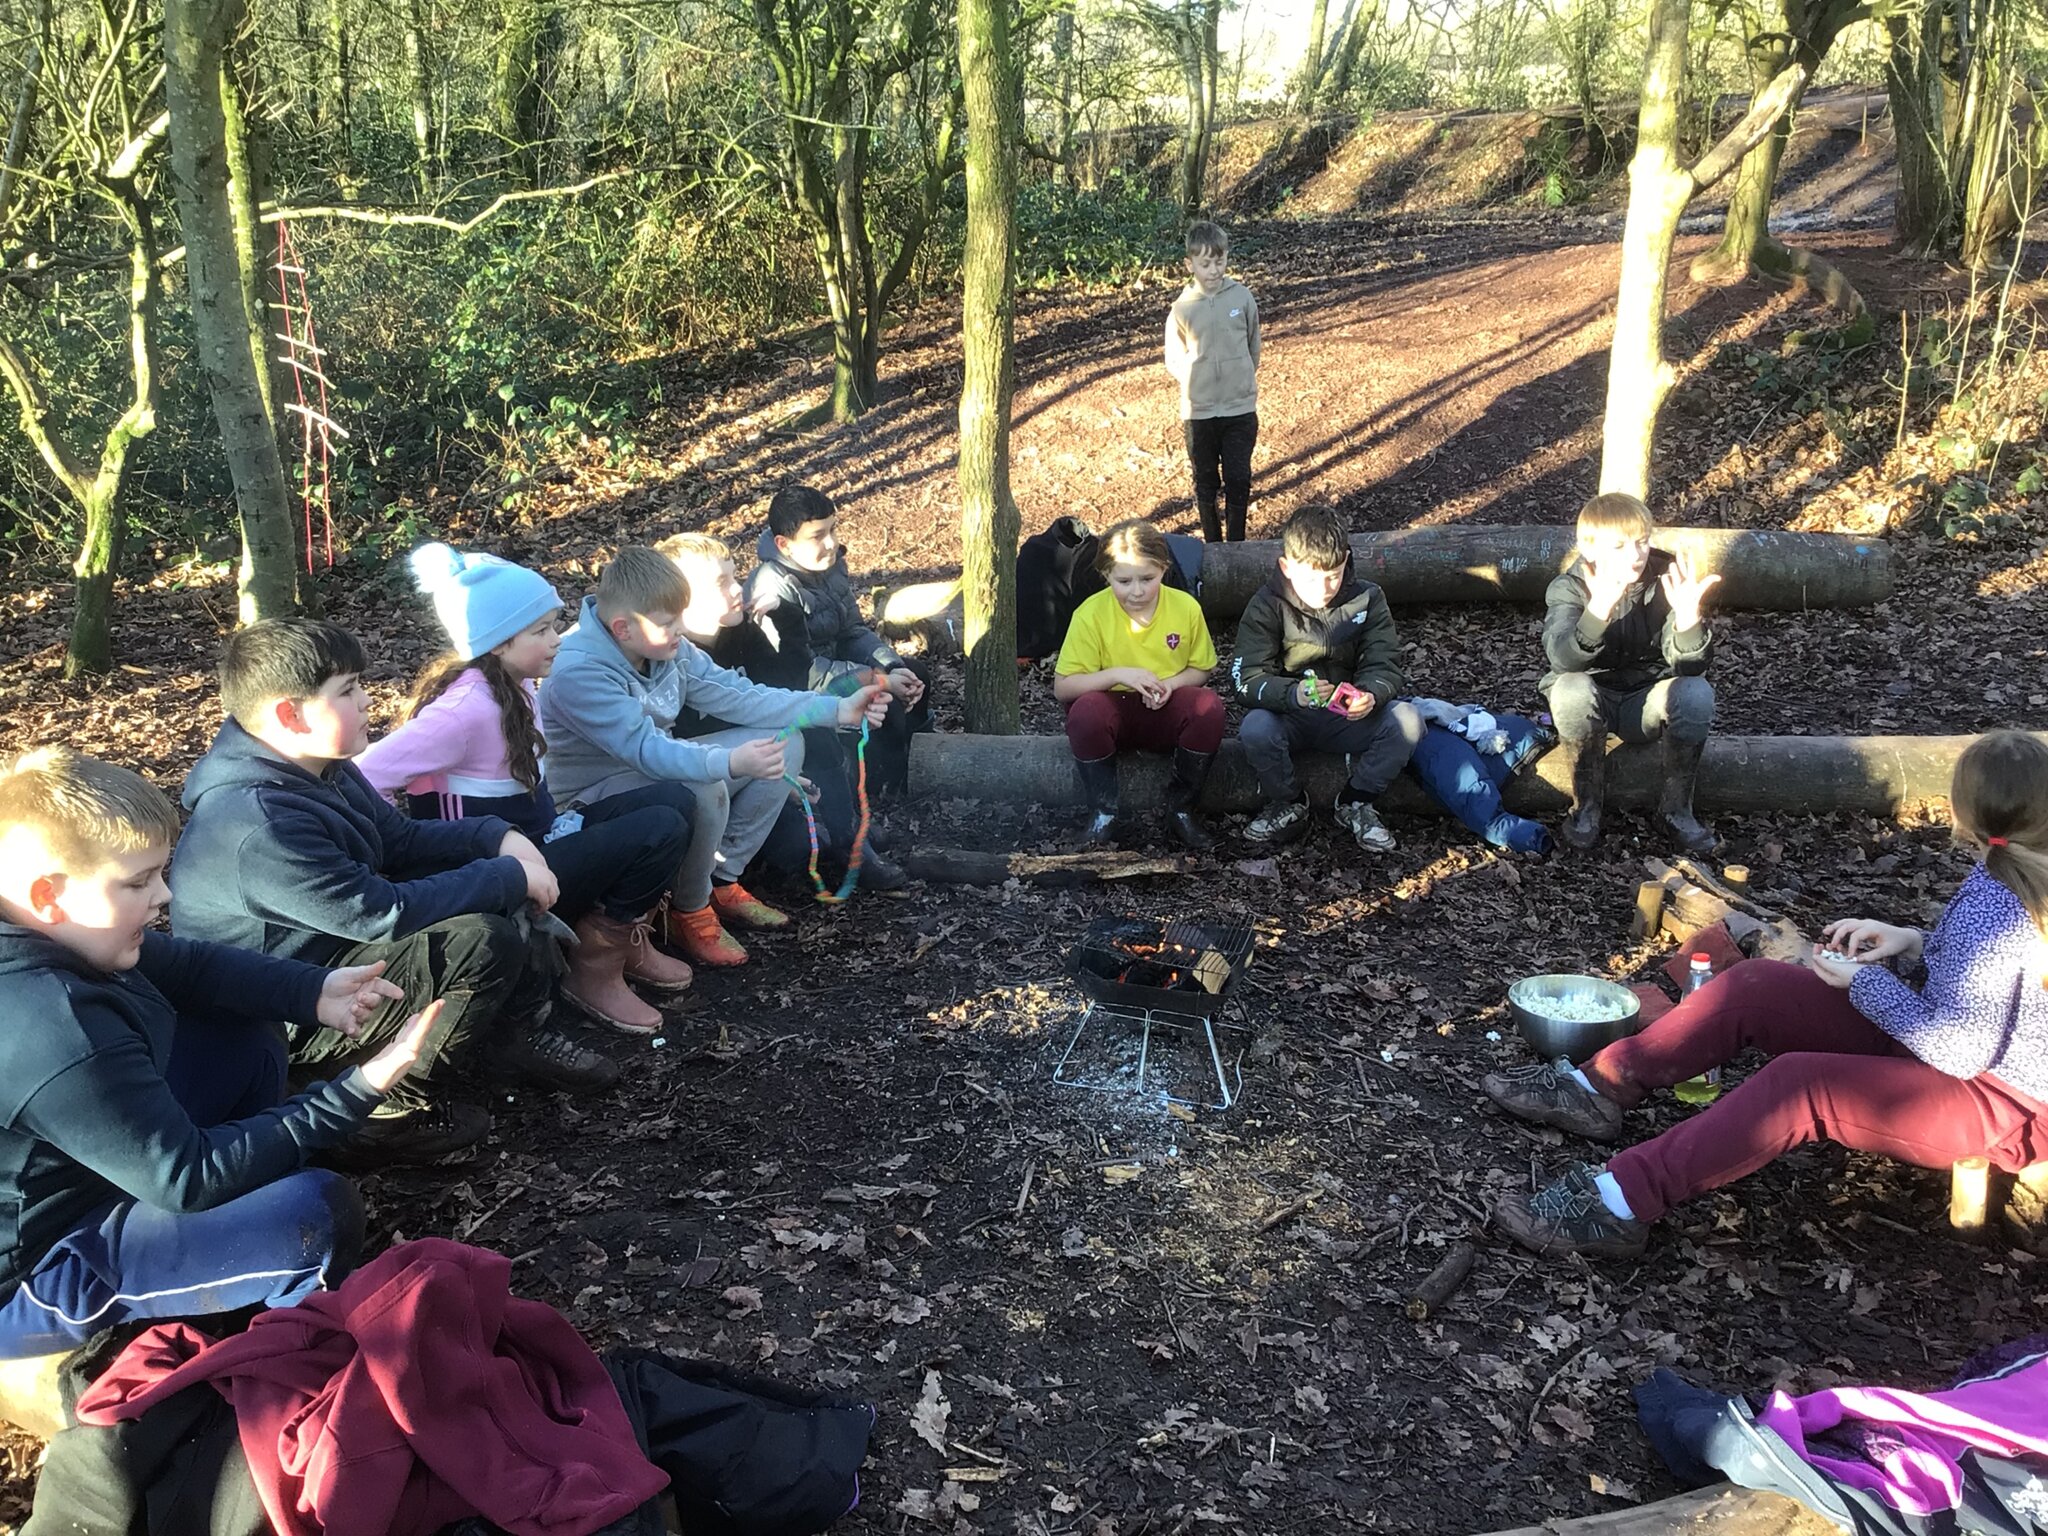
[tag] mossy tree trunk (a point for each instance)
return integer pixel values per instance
(1925, 219)
(1311, 76)
(196, 34)
(988, 512)
(1660, 187)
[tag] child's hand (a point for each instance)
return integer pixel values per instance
(542, 888)
(1836, 973)
(1684, 587)
(762, 602)
(906, 685)
(870, 704)
(1308, 693)
(763, 759)
(1869, 940)
(1360, 705)
(396, 1059)
(1604, 588)
(351, 994)
(1154, 692)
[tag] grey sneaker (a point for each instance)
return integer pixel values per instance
(1567, 1215)
(1278, 821)
(1546, 1093)
(1363, 823)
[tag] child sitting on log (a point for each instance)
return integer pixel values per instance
(609, 705)
(1465, 759)
(718, 624)
(1955, 1068)
(1627, 650)
(150, 1163)
(1314, 626)
(1131, 676)
(471, 746)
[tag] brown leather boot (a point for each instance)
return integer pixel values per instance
(652, 967)
(596, 982)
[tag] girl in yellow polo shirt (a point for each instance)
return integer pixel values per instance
(1131, 676)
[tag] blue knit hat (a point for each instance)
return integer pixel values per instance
(482, 601)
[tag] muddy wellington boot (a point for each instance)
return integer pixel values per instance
(1190, 769)
(596, 983)
(1674, 806)
(1099, 789)
(1587, 760)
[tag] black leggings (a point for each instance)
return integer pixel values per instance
(626, 855)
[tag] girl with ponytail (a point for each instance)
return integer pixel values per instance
(1956, 1067)
(471, 746)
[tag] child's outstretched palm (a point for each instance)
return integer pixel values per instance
(1685, 587)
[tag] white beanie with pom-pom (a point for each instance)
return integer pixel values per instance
(482, 601)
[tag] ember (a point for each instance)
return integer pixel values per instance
(1175, 966)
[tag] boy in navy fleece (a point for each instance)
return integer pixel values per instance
(150, 1165)
(289, 850)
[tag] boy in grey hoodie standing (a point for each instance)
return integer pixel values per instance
(1212, 351)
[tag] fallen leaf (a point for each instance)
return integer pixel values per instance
(742, 1299)
(1259, 869)
(928, 1418)
(1121, 1173)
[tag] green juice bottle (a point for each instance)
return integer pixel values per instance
(1705, 1088)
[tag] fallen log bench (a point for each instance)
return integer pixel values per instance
(1803, 775)
(1722, 1510)
(32, 1395)
(1760, 569)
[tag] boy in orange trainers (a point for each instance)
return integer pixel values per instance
(619, 681)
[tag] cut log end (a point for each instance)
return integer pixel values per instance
(1443, 1282)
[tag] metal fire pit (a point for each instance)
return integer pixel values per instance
(1142, 974)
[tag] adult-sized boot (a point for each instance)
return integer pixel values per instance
(596, 983)
(1674, 805)
(1190, 770)
(1099, 788)
(1586, 757)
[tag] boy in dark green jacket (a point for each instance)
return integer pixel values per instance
(1315, 626)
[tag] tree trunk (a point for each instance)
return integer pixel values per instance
(1063, 105)
(195, 44)
(1638, 377)
(340, 89)
(420, 93)
(1312, 60)
(1925, 217)
(988, 513)
(255, 265)
(527, 49)
(1747, 224)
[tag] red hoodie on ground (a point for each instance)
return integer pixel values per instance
(419, 1393)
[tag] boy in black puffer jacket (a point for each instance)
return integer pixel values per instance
(802, 599)
(1313, 626)
(1627, 649)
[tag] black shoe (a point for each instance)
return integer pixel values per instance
(1674, 805)
(413, 1132)
(1190, 770)
(550, 1059)
(1099, 788)
(878, 872)
(1587, 760)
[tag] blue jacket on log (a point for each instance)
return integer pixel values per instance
(304, 865)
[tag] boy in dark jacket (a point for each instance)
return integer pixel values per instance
(803, 601)
(150, 1165)
(290, 851)
(1627, 648)
(1313, 626)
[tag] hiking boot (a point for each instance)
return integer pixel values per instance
(699, 935)
(734, 903)
(1363, 823)
(1278, 821)
(1190, 769)
(548, 1058)
(1099, 788)
(1674, 805)
(1546, 1093)
(878, 872)
(409, 1130)
(1567, 1215)
(1586, 760)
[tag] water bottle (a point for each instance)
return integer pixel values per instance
(1705, 1088)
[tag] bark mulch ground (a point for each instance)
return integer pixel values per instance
(1078, 1311)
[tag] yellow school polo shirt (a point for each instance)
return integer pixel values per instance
(1104, 636)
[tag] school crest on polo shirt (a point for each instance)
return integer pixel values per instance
(1173, 642)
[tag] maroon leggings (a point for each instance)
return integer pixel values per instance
(1833, 1076)
(1102, 724)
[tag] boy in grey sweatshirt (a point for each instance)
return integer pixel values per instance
(619, 681)
(1212, 350)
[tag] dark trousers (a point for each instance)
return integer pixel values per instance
(1220, 452)
(1833, 1076)
(269, 1247)
(1467, 782)
(625, 856)
(1583, 709)
(1103, 724)
(888, 752)
(478, 965)
(1378, 746)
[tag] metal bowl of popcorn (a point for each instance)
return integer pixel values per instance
(1573, 1016)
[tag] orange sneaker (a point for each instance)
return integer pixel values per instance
(736, 904)
(699, 935)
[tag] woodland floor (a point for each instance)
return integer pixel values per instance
(848, 1162)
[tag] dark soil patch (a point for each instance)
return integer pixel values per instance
(849, 1163)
